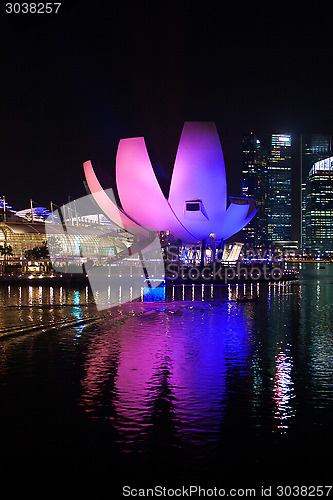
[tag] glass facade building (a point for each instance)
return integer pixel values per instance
(275, 175)
(319, 207)
(93, 241)
(255, 186)
(313, 148)
(279, 192)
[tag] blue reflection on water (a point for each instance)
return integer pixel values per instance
(151, 294)
(76, 298)
(175, 377)
(77, 313)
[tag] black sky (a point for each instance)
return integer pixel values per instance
(74, 83)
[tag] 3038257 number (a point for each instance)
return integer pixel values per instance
(303, 491)
(32, 8)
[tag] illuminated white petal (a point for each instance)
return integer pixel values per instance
(199, 174)
(109, 206)
(139, 191)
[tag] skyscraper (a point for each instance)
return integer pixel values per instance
(279, 196)
(250, 159)
(255, 186)
(319, 207)
(313, 148)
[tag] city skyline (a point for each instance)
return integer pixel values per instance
(279, 172)
(275, 172)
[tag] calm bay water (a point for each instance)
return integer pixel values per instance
(199, 387)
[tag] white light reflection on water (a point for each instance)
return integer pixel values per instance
(283, 389)
(318, 291)
(258, 383)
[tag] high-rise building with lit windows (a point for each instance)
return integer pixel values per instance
(279, 192)
(319, 207)
(313, 148)
(255, 186)
(250, 160)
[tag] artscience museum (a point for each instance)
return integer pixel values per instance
(197, 208)
(195, 215)
(150, 234)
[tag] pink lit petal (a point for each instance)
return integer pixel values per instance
(139, 191)
(110, 209)
(199, 174)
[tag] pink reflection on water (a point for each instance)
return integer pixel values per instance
(177, 358)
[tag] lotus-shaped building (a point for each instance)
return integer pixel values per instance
(197, 206)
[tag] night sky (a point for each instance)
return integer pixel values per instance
(74, 83)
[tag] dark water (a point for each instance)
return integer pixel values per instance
(201, 388)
